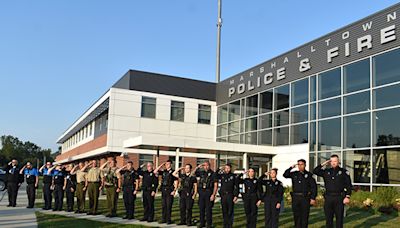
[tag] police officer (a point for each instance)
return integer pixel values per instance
(187, 193)
(70, 187)
(127, 176)
(149, 190)
(111, 184)
(32, 179)
(59, 184)
(337, 190)
(80, 186)
(169, 185)
(47, 182)
(273, 196)
(252, 196)
(304, 192)
(14, 180)
(207, 189)
(229, 192)
(94, 185)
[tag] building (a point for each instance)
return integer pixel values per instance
(337, 94)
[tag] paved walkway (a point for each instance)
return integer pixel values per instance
(19, 216)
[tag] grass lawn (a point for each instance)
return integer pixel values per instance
(355, 217)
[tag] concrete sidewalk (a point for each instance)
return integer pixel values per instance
(19, 216)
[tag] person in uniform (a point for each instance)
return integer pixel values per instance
(149, 190)
(14, 180)
(70, 187)
(32, 179)
(80, 186)
(47, 182)
(229, 192)
(252, 196)
(110, 180)
(304, 192)
(169, 185)
(94, 185)
(127, 176)
(273, 196)
(187, 193)
(59, 184)
(337, 190)
(207, 189)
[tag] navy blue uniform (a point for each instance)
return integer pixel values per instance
(304, 189)
(128, 188)
(58, 181)
(14, 179)
(149, 185)
(70, 190)
(186, 200)
(30, 177)
(47, 192)
(205, 189)
(273, 194)
(337, 187)
(167, 187)
(252, 193)
(228, 190)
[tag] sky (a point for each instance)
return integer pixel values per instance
(58, 57)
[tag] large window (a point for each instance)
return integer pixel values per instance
(329, 134)
(387, 130)
(356, 103)
(252, 106)
(266, 101)
(177, 111)
(281, 136)
(281, 118)
(313, 88)
(329, 108)
(357, 131)
(300, 92)
(266, 121)
(233, 128)
(356, 76)
(386, 166)
(234, 110)
(281, 97)
(386, 68)
(149, 107)
(265, 137)
(329, 84)
(358, 163)
(143, 158)
(204, 114)
(222, 114)
(387, 96)
(251, 124)
(299, 114)
(299, 134)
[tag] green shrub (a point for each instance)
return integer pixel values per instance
(385, 196)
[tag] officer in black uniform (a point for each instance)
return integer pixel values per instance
(169, 185)
(70, 187)
(32, 179)
(14, 180)
(273, 196)
(187, 193)
(47, 181)
(337, 190)
(252, 196)
(127, 176)
(149, 190)
(207, 189)
(59, 185)
(229, 192)
(304, 192)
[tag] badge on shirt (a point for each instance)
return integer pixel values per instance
(209, 174)
(306, 175)
(340, 172)
(151, 174)
(231, 177)
(276, 183)
(254, 181)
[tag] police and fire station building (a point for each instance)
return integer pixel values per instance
(339, 94)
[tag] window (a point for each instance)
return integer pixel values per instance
(300, 92)
(234, 139)
(148, 107)
(387, 130)
(329, 134)
(281, 118)
(281, 136)
(234, 110)
(329, 108)
(266, 121)
(387, 96)
(265, 137)
(177, 111)
(357, 130)
(357, 162)
(313, 88)
(222, 116)
(313, 137)
(299, 134)
(222, 130)
(233, 127)
(313, 111)
(281, 97)
(204, 114)
(251, 124)
(266, 101)
(329, 84)
(356, 103)
(386, 68)
(144, 158)
(386, 166)
(299, 114)
(356, 76)
(251, 138)
(252, 106)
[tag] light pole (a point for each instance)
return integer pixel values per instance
(219, 25)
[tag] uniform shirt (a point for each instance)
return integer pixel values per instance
(149, 180)
(337, 180)
(71, 180)
(47, 177)
(80, 176)
(272, 189)
(94, 174)
(30, 175)
(110, 176)
(167, 179)
(12, 174)
(229, 183)
(251, 186)
(58, 176)
(129, 178)
(302, 182)
(187, 183)
(207, 179)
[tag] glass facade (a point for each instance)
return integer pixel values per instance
(351, 110)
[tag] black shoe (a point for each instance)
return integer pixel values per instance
(89, 213)
(77, 212)
(162, 221)
(189, 224)
(95, 213)
(181, 224)
(143, 219)
(126, 217)
(82, 212)
(43, 208)
(130, 217)
(108, 215)
(169, 222)
(114, 215)
(54, 209)
(150, 220)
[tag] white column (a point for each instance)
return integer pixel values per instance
(177, 159)
(245, 162)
